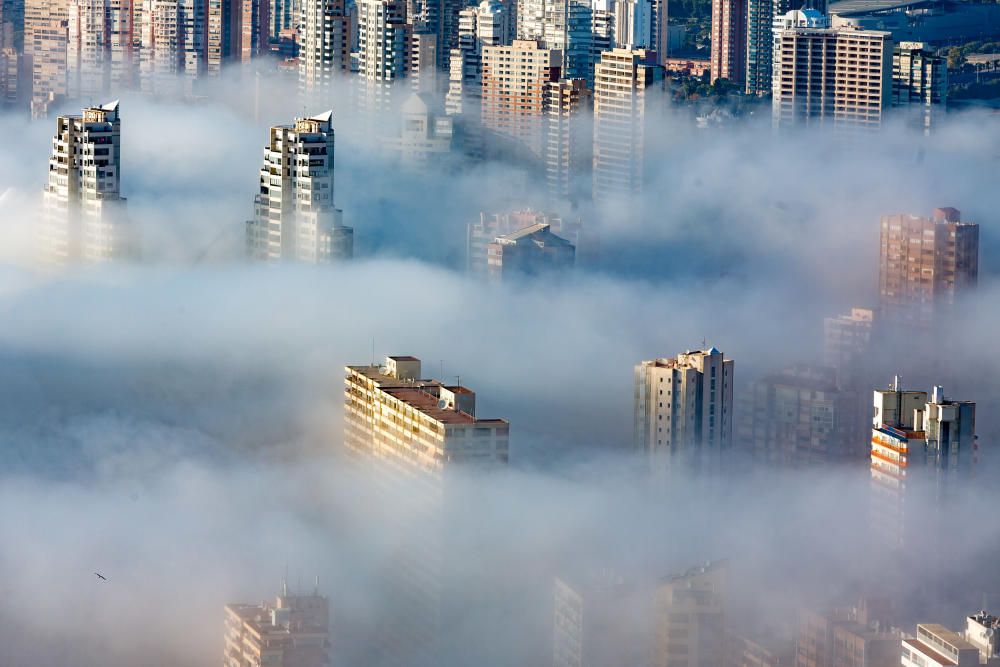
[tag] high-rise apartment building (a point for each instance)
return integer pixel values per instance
(801, 417)
(634, 24)
(859, 636)
(293, 632)
(412, 438)
(382, 52)
(629, 92)
(488, 24)
(839, 77)
(918, 449)
(729, 40)
(325, 53)
(683, 409)
(562, 25)
(919, 82)
(689, 617)
(173, 51)
(602, 28)
(568, 139)
(83, 211)
(295, 217)
(515, 79)
(924, 266)
(846, 338)
(237, 31)
(99, 49)
(46, 40)
(530, 251)
(422, 61)
(600, 620)
(761, 15)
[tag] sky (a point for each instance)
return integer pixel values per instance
(176, 424)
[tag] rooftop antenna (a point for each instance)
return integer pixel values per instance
(316, 586)
(284, 582)
(458, 380)
(373, 350)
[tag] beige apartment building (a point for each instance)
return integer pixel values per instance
(924, 266)
(295, 217)
(292, 632)
(823, 76)
(383, 42)
(690, 618)
(684, 409)
(325, 49)
(515, 80)
(629, 92)
(100, 43)
(46, 39)
(414, 442)
(84, 214)
(568, 138)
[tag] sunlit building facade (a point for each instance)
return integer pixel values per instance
(684, 410)
(324, 54)
(292, 632)
(690, 618)
(46, 42)
(84, 216)
(295, 217)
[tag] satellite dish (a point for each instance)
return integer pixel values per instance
(442, 404)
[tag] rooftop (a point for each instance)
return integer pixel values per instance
(427, 404)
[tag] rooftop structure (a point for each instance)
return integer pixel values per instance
(293, 632)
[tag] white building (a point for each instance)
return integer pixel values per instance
(173, 46)
(382, 53)
(84, 214)
(324, 52)
(684, 409)
(295, 217)
(937, 646)
(425, 136)
(486, 24)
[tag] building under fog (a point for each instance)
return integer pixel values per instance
(425, 138)
(292, 632)
(689, 618)
(409, 440)
(802, 417)
(919, 83)
(920, 451)
(481, 234)
(382, 55)
(325, 50)
(295, 217)
(925, 264)
(46, 41)
(629, 93)
(83, 214)
(600, 619)
(860, 636)
(684, 410)
(531, 251)
(847, 339)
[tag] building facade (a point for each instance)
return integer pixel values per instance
(822, 76)
(925, 264)
(530, 251)
(295, 217)
(919, 83)
(729, 40)
(84, 217)
(382, 53)
(684, 410)
(293, 632)
(690, 618)
(425, 138)
(325, 51)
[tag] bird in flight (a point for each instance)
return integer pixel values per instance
(101, 576)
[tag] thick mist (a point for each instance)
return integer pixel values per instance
(176, 424)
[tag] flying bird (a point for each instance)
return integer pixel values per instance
(101, 576)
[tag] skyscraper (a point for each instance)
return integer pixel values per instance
(761, 15)
(729, 40)
(411, 438)
(99, 52)
(382, 52)
(924, 266)
(46, 39)
(487, 24)
(801, 417)
(293, 632)
(563, 25)
(324, 56)
(628, 94)
(918, 448)
(174, 46)
(515, 79)
(690, 616)
(839, 77)
(919, 82)
(846, 338)
(684, 410)
(295, 217)
(568, 139)
(83, 210)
